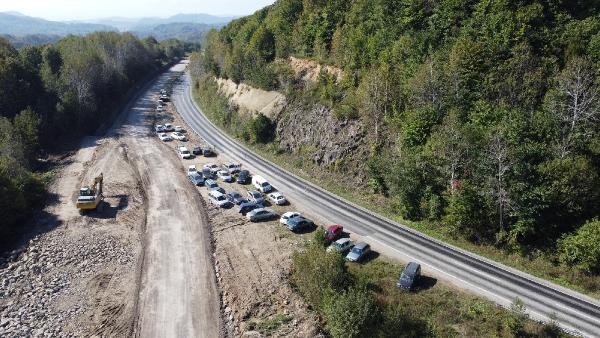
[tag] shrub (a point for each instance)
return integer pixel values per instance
(581, 248)
(261, 129)
(350, 314)
(316, 272)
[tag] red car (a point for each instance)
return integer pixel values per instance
(333, 232)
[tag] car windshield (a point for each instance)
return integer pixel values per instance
(264, 184)
(357, 250)
(185, 152)
(221, 198)
(329, 232)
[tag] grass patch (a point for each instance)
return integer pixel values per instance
(269, 326)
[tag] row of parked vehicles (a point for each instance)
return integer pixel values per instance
(252, 204)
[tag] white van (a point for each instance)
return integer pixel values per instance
(261, 184)
(218, 199)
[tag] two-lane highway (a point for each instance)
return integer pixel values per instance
(543, 300)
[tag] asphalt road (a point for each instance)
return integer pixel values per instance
(543, 300)
(178, 295)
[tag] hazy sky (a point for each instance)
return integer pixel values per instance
(90, 9)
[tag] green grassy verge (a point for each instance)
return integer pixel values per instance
(538, 264)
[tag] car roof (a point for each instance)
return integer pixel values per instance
(361, 245)
(276, 193)
(343, 240)
(216, 193)
(233, 193)
(334, 227)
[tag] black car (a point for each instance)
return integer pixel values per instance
(197, 151)
(246, 207)
(207, 152)
(243, 177)
(410, 276)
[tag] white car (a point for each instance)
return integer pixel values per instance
(160, 108)
(192, 169)
(178, 129)
(159, 128)
(178, 136)
(277, 198)
(224, 175)
(212, 167)
(168, 127)
(288, 215)
(164, 137)
(260, 214)
(183, 152)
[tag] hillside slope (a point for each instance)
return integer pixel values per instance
(481, 118)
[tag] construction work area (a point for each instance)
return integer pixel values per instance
(129, 247)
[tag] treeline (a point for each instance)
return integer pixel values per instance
(484, 116)
(58, 92)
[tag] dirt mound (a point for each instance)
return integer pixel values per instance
(309, 70)
(252, 100)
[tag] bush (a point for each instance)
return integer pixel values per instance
(581, 248)
(261, 129)
(316, 272)
(350, 314)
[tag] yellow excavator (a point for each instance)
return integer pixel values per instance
(90, 197)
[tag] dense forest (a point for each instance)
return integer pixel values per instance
(57, 92)
(483, 116)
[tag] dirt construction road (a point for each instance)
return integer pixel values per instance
(178, 295)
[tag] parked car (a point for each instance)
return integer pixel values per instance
(260, 214)
(196, 178)
(299, 223)
(207, 152)
(164, 137)
(287, 216)
(277, 198)
(243, 177)
(168, 127)
(232, 168)
(178, 129)
(235, 197)
(341, 245)
(410, 276)
(224, 175)
(246, 207)
(217, 198)
(178, 136)
(358, 252)
(210, 184)
(159, 128)
(207, 173)
(192, 169)
(197, 150)
(212, 167)
(255, 196)
(183, 152)
(261, 184)
(160, 108)
(333, 232)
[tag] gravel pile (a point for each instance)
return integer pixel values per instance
(42, 285)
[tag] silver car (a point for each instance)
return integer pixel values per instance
(358, 252)
(260, 214)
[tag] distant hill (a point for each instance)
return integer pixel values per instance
(17, 24)
(147, 23)
(32, 39)
(24, 30)
(190, 32)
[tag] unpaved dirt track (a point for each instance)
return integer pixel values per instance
(178, 295)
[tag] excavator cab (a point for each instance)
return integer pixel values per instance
(90, 197)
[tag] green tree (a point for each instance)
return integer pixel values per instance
(581, 248)
(316, 272)
(262, 130)
(350, 314)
